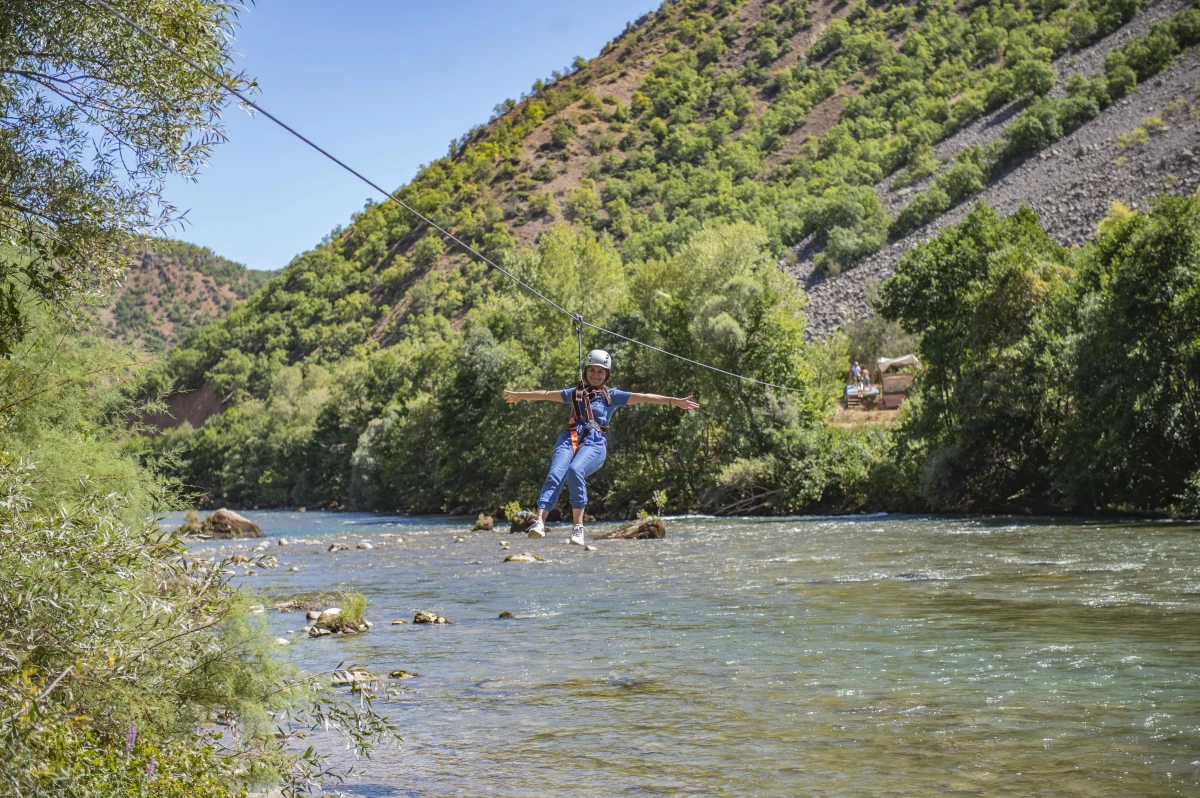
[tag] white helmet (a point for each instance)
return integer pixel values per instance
(598, 357)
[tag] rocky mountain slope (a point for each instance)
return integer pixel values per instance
(1145, 144)
(173, 288)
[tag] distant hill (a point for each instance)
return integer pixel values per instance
(173, 288)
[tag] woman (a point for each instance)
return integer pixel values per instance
(581, 449)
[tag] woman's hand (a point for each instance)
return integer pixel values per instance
(685, 403)
(511, 397)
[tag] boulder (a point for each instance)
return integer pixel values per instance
(425, 616)
(484, 523)
(638, 529)
(403, 674)
(507, 614)
(522, 521)
(525, 557)
(222, 525)
(365, 545)
(283, 542)
(398, 621)
(351, 676)
(338, 547)
(239, 559)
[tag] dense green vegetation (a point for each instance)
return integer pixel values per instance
(127, 666)
(368, 374)
(421, 424)
(1048, 119)
(1055, 379)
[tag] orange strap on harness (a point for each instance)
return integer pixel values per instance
(582, 415)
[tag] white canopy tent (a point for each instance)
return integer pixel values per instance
(885, 363)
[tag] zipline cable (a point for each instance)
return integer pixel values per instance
(576, 318)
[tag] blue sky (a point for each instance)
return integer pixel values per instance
(383, 85)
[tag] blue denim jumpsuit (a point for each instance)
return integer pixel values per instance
(575, 467)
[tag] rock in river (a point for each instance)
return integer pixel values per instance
(641, 528)
(522, 521)
(525, 557)
(425, 616)
(403, 674)
(338, 547)
(222, 525)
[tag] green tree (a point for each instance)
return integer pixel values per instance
(561, 133)
(1134, 360)
(71, 74)
(1034, 77)
(981, 426)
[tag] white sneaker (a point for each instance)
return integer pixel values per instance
(577, 535)
(538, 530)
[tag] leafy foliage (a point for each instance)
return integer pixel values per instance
(69, 77)
(399, 427)
(1054, 380)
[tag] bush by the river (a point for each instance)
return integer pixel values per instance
(1054, 379)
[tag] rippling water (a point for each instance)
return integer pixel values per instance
(867, 656)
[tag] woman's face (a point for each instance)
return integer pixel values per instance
(595, 376)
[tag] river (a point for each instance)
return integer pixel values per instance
(851, 656)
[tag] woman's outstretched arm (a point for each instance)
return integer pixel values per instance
(512, 397)
(683, 403)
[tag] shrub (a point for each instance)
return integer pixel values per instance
(1032, 131)
(561, 133)
(543, 204)
(391, 278)
(428, 249)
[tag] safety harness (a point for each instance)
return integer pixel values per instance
(581, 411)
(582, 397)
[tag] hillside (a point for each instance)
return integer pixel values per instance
(1142, 145)
(658, 189)
(174, 288)
(796, 117)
